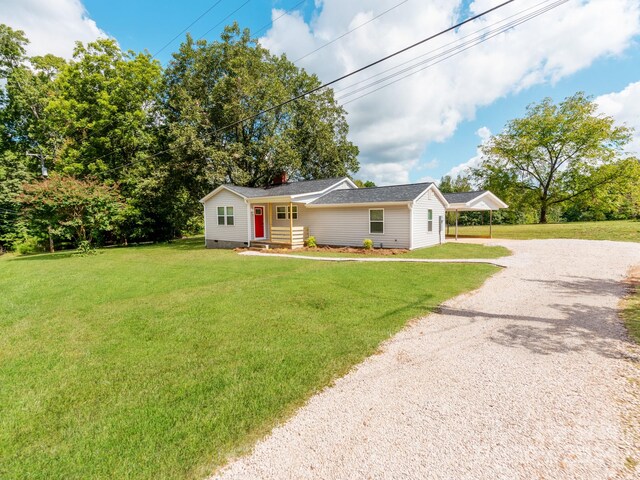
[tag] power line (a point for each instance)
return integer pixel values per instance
(350, 31)
(347, 75)
(267, 25)
(456, 41)
(187, 28)
(222, 21)
(447, 53)
(449, 56)
(361, 69)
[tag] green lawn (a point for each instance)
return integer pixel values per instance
(631, 306)
(444, 251)
(620, 230)
(163, 361)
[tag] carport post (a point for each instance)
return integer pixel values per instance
(490, 223)
(456, 225)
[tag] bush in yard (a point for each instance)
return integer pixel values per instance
(311, 242)
(28, 245)
(367, 243)
(64, 208)
(85, 248)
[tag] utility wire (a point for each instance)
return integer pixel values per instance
(349, 31)
(354, 72)
(187, 28)
(445, 58)
(456, 41)
(450, 52)
(267, 25)
(222, 21)
(361, 69)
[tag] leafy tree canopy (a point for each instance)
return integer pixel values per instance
(212, 85)
(555, 152)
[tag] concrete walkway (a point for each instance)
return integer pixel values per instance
(491, 261)
(530, 377)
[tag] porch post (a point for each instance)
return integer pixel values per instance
(269, 213)
(456, 225)
(291, 223)
(490, 223)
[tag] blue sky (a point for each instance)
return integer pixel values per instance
(420, 128)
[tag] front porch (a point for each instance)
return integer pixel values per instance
(278, 225)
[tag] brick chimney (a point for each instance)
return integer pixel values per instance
(280, 178)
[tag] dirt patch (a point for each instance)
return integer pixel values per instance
(633, 278)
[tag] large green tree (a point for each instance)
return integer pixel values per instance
(556, 152)
(103, 108)
(212, 85)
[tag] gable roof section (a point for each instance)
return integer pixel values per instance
(391, 194)
(463, 197)
(468, 198)
(286, 190)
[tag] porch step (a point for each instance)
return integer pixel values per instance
(268, 245)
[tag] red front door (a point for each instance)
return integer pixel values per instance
(258, 221)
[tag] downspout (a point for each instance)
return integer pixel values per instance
(411, 224)
(204, 206)
(249, 220)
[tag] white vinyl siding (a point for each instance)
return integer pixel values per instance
(349, 226)
(424, 230)
(230, 209)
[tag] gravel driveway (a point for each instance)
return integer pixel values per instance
(530, 377)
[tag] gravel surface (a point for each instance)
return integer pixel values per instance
(530, 377)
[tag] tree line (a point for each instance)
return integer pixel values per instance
(560, 162)
(109, 146)
(112, 147)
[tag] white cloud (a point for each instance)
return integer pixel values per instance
(394, 126)
(485, 134)
(624, 107)
(52, 26)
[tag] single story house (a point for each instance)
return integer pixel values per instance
(334, 211)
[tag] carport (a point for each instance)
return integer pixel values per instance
(480, 201)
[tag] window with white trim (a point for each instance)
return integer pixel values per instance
(225, 216)
(283, 212)
(430, 220)
(376, 220)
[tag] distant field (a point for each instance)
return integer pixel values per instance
(160, 362)
(622, 230)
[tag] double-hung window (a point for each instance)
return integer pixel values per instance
(283, 212)
(430, 220)
(376, 220)
(225, 216)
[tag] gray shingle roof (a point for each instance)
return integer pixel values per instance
(393, 193)
(463, 197)
(293, 188)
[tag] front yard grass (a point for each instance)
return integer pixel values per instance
(164, 361)
(618, 230)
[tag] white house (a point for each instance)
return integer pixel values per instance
(335, 211)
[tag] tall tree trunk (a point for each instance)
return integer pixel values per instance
(50, 240)
(543, 213)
